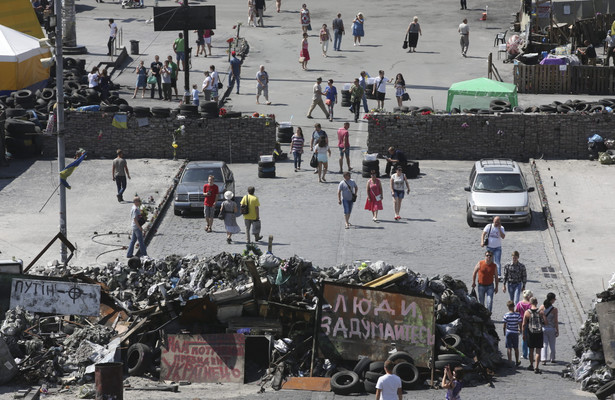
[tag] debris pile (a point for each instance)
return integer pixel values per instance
(589, 364)
(147, 299)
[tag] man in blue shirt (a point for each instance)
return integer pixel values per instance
(235, 73)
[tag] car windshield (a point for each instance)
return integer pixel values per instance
(201, 175)
(499, 183)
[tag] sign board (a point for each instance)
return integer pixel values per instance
(368, 322)
(184, 18)
(204, 358)
(53, 297)
(606, 321)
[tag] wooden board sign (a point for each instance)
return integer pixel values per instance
(361, 321)
(204, 358)
(53, 297)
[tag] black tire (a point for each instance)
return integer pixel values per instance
(452, 340)
(134, 263)
(233, 114)
(125, 108)
(371, 164)
(266, 174)
(266, 170)
(370, 387)
(48, 94)
(362, 366)
(449, 358)
(408, 374)
(377, 366)
(266, 164)
(401, 356)
(442, 364)
(69, 86)
(285, 138)
(138, 359)
(564, 108)
(498, 109)
(596, 108)
(606, 390)
(346, 103)
(189, 114)
(112, 108)
(209, 106)
(177, 212)
(412, 170)
(345, 382)
(15, 112)
(502, 103)
(469, 218)
(366, 174)
(189, 107)
(23, 94)
(161, 112)
(373, 376)
(19, 126)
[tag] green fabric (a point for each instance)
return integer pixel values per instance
(173, 69)
(482, 87)
(179, 44)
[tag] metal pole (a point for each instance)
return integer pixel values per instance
(60, 121)
(187, 56)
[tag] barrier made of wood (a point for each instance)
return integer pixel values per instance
(564, 79)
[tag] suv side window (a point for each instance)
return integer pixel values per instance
(472, 175)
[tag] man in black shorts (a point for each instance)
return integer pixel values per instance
(380, 89)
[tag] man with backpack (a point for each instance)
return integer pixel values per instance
(534, 320)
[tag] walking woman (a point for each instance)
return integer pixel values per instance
(357, 28)
(323, 152)
(229, 208)
(141, 72)
(550, 330)
(413, 32)
(400, 89)
(304, 54)
(305, 19)
(398, 182)
(331, 97)
(251, 13)
(325, 38)
(296, 146)
(521, 308)
(374, 196)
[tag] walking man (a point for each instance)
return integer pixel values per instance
(464, 4)
(112, 35)
(388, 386)
(357, 93)
(235, 74)
(515, 276)
(338, 31)
(316, 135)
(464, 36)
(492, 239)
(363, 84)
(380, 89)
(486, 271)
(344, 145)
(137, 229)
(260, 7)
(317, 99)
(210, 190)
(180, 50)
(347, 195)
(119, 171)
(252, 218)
(262, 84)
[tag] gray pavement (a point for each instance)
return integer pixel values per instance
(303, 215)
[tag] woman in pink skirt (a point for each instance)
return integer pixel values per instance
(374, 196)
(304, 54)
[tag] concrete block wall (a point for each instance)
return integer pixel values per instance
(472, 137)
(238, 140)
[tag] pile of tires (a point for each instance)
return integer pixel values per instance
(413, 170)
(346, 98)
(141, 112)
(266, 169)
(22, 132)
(189, 110)
(209, 110)
(369, 92)
(285, 134)
(369, 166)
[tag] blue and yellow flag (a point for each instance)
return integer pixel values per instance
(120, 121)
(65, 173)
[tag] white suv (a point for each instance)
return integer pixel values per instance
(498, 188)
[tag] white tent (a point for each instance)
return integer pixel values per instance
(20, 61)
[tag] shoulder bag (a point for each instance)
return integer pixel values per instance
(222, 212)
(486, 240)
(314, 160)
(354, 196)
(245, 208)
(152, 80)
(405, 45)
(405, 96)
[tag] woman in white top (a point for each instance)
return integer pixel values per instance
(398, 182)
(94, 79)
(322, 151)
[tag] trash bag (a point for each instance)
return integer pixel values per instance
(605, 158)
(269, 261)
(595, 138)
(86, 392)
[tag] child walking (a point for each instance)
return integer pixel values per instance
(512, 320)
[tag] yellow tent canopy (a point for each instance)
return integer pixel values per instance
(20, 61)
(19, 15)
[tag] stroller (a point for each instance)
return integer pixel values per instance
(131, 4)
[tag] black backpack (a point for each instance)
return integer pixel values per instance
(535, 322)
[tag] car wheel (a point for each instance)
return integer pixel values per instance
(528, 223)
(177, 211)
(469, 218)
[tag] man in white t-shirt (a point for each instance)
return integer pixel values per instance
(380, 89)
(388, 386)
(112, 35)
(464, 36)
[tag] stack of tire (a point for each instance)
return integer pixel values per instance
(369, 91)
(189, 110)
(209, 110)
(447, 353)
(22, 133)
(346, 98)
(161, 112)
(266, 169)
(285, 133)
(500, 106)
(141, 112)
(412, 169)
(369, 166)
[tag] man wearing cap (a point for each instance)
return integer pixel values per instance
(317, 99)
(235, 73)
(486, 270)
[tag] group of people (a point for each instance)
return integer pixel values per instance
(161, 75)
(99, 81)
(538, 326)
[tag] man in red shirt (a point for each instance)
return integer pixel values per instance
(210, 190)
(487, 274)
(344, 145)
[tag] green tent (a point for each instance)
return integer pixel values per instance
(479, 92)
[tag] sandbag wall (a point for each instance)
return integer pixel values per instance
(224, 139)
(474, 136)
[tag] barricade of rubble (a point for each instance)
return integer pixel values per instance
(148, 298)
(589, 365)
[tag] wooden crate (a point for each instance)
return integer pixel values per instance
(584, 79)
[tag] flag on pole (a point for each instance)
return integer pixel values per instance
(66, 172)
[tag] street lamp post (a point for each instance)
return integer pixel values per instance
(60, 121)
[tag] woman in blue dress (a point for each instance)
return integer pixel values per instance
(141, 72)
(357, 28)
